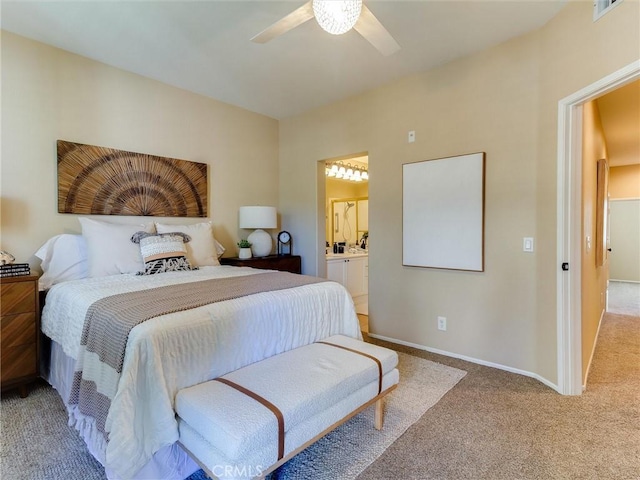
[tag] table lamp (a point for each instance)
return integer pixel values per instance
(259, 217)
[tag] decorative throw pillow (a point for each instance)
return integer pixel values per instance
(202, 249)
(163, 253)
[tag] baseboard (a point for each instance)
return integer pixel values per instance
(593, 351)
(623, 281)
(506, 368)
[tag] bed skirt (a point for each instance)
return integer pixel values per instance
(170, 462)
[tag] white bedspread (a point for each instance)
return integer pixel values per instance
(175, 351)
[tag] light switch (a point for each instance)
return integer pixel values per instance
(412, 136)
(527, 244)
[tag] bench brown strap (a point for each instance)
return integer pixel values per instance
(364, 355)
(275, 410)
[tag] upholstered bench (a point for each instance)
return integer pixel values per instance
(250, 421)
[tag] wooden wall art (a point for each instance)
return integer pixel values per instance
(105, 181)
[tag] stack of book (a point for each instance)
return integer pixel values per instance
(14, 270)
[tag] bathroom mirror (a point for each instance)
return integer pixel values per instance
(349, 219)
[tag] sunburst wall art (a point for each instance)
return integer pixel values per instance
(105, 181)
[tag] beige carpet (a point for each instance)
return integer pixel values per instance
(37, 444)
(496, 425)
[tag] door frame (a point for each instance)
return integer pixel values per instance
(569, 225)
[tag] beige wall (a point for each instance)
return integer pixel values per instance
(594, 277)
(49, 94)
(624, 263)
(343, 189)
(503, 101)
(624, 190)
(624, 182)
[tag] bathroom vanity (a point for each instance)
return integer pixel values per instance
(352, 271)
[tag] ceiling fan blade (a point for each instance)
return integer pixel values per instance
(291, 21)
(372, 30)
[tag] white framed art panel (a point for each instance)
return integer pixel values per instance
(443, 213)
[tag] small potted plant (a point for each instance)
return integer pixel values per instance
(245, 249)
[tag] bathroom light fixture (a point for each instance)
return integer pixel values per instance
(353, 173)
(259, 217)
(337, 16)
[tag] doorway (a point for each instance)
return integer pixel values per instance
(346, 227)
(624, 268)
(620, 115)
(569, 225)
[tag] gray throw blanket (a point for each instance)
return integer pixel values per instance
(109, 321)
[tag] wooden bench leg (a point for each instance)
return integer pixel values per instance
(379, 415)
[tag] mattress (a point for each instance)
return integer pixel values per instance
(175, 351)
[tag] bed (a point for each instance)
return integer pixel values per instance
(172, 351)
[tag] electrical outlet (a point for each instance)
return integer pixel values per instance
(442, 323)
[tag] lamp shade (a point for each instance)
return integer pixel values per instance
(258, 217)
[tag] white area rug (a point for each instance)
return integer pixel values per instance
(37, 444)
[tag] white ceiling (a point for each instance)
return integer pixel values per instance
(204, 46)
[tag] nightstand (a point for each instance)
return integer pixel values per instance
(19, 331)
(285, 263)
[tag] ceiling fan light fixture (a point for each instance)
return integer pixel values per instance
(337, 16)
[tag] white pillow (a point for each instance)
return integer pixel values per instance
(219, 248)
(110, 250)
(64, 258)
(202, 249)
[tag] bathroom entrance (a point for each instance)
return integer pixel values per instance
(347, 228)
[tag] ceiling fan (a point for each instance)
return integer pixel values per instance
(336, 17)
